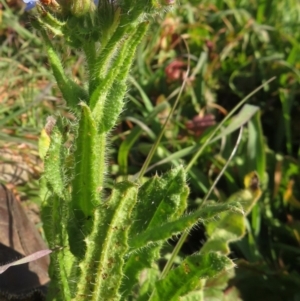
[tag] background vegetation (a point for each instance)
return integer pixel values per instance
(233, 47)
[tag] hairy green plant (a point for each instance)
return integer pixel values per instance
(233, 46)
(105, 239)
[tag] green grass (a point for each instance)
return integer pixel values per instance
(233, 47)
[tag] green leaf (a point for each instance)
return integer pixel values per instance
(102, 103)
(88, 173)
(137, 262)
(186, 277)
(54, 160)
(55, 218)
(145, 98)
(215, 288)
(193, 296)
(256, 153)
(159, 199)
(167, 230)
(87, 181)
(149, 277)
(113, 105)
(244, 115)
(231, 226)
(102, 269)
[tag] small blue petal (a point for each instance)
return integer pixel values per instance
(29, 4)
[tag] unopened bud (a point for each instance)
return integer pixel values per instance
(81, 7)
(78, 8)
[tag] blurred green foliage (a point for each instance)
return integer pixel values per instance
(233, 46)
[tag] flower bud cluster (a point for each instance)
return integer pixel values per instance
(76, 7)
(94, 21)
